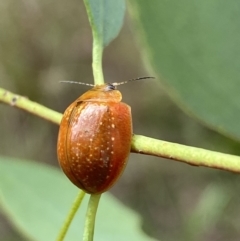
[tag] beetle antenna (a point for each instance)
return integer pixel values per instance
(75, 82)
(139, 78)
(115, 84)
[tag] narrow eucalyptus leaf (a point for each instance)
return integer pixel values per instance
(106, 18)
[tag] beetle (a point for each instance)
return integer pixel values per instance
(94, 139)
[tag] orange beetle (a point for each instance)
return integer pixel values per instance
(94, 139)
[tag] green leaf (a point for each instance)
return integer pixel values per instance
(193, 46)
(106, 18)
(37, 198)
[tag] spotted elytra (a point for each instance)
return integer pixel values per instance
(94, 139)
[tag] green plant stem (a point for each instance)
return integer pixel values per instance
(190, 155)
(24, 103)
(90, 217)
(75, 206)
(140, 144)
(97, 63)
(97, 48)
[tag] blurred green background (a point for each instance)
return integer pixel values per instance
(43, 42)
